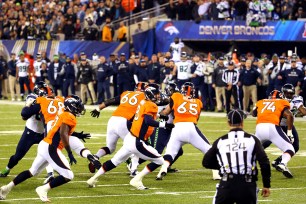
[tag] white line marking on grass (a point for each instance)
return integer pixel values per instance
(11, 131)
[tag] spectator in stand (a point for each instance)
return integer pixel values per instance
(107, 33)
(218, 84)
(102, 12)
(240, 10)
(42, 31)
(138, 29)
(223, 10)
(68, 30)
(170, 10)
(183, 10)
(122, 32)
(299, 14)
(287, 8)
(117, 11)
(90, 31)
(248, 78)
(203, 9)
(22, 30)
(13, 83)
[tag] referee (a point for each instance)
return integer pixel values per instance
(235, 155)
(230, 77)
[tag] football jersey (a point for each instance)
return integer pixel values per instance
(139, 128)
(186, 109)
(23, 68)
(53, 137)
(270, 110)
(129, 101)
(34, 123)
(176, 50)
(183, 70)
(37, 68)
(49, 107)
(295, 104)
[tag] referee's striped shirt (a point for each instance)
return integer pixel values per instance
(230, 76)
(236, 153)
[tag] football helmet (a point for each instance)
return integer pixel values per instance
(275, 94)
(288, 91)
(171, 88)
(152, 92)
(140, 86)
(42, 89)
(188, 89)
(74, 105)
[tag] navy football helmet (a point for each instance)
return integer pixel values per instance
(74, 105)
(171, 88)
(288, 91)
(152, 92)
(42, 89)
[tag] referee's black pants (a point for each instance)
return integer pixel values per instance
(236, 190)
(228, 95)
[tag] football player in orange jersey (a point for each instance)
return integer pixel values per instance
(269, 113)
(135, 141)
(119, 124)
(186, 109)
(47, 106)
(49, 151)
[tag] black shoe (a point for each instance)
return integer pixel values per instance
(220, 111)
(170, 170)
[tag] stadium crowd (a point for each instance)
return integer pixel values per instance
(92, 19)
(220, 80)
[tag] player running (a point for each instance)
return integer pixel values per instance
(269, 112)
(49, 152)
(135, 142)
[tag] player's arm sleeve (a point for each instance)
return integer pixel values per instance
(149, 120)
(27, 112)
(210, 158)
(112, 101)
(264, 163)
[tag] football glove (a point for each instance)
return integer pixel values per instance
(95, 113)
(169, 126)
(162, 124)
(81, 135)
(163, 117)
(290, 136)
(29, 102)
(71, 158)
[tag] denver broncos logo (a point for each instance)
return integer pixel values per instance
(304, 33)
(171, 29)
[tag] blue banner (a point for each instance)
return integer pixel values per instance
(144, 42)
(166, 31)
(32, 47)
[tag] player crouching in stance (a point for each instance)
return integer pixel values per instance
(186, 110)
(49, 151)
(135, 141)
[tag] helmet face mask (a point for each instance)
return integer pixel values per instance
(152, 93)
(188, 89)
(171, 88)
(74, 105)
(288, 91)
(42, 89)
(275, 94)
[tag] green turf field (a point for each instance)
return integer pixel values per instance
(192, 184)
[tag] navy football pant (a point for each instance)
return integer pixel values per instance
(27, 140)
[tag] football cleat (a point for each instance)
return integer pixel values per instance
(170, 170)
(42, 193)
(284, 169)
(4, 173)
(49, 178)
(91, 182)
(162, 173)
(4, 190)
(137, 183)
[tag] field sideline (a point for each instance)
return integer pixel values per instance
(192, 184)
